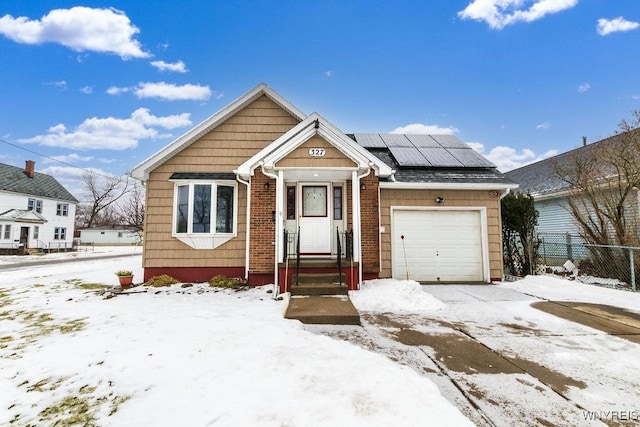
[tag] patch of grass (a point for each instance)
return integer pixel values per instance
(81, 284)
(161, 281)
(70, 410)
(4, 341)
(221, 281)
(116, 402)
(46, 384)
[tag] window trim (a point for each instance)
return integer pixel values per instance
(336, 208)
(60, 233)
(291, 202)
(34, 204)
(62, 209)
(214, 208)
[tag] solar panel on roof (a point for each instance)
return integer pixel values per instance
(409, 156)
(449, 141)
(423, 141)
(370, 140)
(470, 158)
(395, 140)
(439, 157)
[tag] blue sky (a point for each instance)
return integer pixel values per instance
(103, 85)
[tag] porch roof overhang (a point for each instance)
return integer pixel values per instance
(21, 215)
(309, 127)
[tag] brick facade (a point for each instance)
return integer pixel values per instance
(370, 224)
(262, 225)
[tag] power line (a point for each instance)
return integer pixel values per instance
(53, 159)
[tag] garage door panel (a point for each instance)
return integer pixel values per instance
(438, 245)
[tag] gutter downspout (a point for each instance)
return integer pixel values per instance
(248, 231)
(276, 284)
(364, 174)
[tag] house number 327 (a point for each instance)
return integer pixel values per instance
(317, 152)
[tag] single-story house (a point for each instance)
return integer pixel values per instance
(36, 211)
(109, 235)
(260, 182)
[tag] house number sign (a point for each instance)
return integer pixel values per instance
(317, 152)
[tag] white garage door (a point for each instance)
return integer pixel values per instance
(438, 245)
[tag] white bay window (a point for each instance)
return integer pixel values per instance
(205, 212)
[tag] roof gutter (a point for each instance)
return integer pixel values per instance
(446, 186)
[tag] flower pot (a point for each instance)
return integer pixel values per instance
(125, 281)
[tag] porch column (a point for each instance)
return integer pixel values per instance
(355, 215)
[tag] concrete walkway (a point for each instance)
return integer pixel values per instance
(504, 362)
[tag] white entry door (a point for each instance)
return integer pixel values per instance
(315, 222)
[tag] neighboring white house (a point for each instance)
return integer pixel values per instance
(115, 235)
(36, 211)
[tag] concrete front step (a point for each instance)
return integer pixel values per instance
(325, 310)
(304, 288)
(328, 277)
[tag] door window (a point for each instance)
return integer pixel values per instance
(314, 201)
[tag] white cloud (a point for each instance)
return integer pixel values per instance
(62, 84)
(617, 25)
(69, 158)
(114, 90)
(500, 13)
(79, 28)
(328, 73)
(507, 158)
(419, 128)
(176, 67)
(171, 92)
(545, 125)
(110, 133)
(87, 90)
(584, 87)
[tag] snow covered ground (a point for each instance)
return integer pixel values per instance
(199, 356)
(185, 356)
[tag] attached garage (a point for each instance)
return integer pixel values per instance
(439, 244)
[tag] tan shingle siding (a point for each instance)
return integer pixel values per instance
(221, 150)
(453, 198)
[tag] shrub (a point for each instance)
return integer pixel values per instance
(160, 281)
(221, 281)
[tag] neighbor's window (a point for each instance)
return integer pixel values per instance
(62, 209)
(195, 208)
(7, 231)
(60, 233)
(337, 202)
(36, 232)
(34, 204)
(291, 202)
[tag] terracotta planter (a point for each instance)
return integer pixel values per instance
(125, 281)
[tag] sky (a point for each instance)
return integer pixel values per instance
(103, 85)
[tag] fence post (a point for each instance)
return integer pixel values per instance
(569, 249)
(633, 271)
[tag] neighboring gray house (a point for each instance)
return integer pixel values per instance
(36, 211)
(550, 191)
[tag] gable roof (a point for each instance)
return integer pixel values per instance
(141, 171)
(14, 179)
(23, 215)
(540, 179)
(313, 125)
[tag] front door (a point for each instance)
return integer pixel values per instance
(315, 222)
(24, 237)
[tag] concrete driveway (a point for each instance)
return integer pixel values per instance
(504, 362)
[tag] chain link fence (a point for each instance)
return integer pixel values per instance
(605, 265)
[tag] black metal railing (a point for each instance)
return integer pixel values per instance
(298, 256)
(339, 254)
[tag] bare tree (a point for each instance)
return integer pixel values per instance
(102, 193)
(132, 208)
(603, 180)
